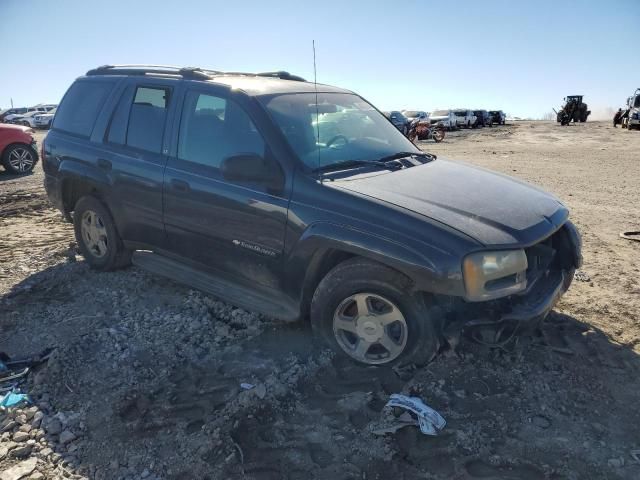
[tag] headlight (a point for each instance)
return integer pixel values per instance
(489, 275)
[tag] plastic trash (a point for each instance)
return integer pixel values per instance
(13, 399)
(247, 386)
(429, 421)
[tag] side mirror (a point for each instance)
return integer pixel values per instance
(252, 168)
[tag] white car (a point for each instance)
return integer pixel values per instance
(465, 118)
(43, 120)
(35, 109)
(446, 118)
(26, 119)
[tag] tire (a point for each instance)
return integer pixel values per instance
(97, 237)
(19, 158)
(438, 134)
(381, 290)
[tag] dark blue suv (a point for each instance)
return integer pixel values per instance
(299, 201)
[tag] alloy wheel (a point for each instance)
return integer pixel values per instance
(94, 233)
(21, 159)
(370, 328)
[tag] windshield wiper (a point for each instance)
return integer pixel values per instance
(399, 155)
(388, 165)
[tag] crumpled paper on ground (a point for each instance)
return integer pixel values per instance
(429, 421)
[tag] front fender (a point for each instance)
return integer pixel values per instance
(431, 269)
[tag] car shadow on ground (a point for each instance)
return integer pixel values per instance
(510, 411)
(5, 175)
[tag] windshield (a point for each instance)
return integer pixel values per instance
(411, 113)
(342, 128)
(636, 104)
(462, 113)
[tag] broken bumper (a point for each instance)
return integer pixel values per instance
(540, 300)
(530, 310)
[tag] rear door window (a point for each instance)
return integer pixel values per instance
(80, 107)
(147, 118)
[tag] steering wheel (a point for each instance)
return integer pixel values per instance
(336, 138)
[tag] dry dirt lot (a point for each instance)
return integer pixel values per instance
(144, 378)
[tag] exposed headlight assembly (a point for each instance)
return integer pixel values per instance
(489, 275)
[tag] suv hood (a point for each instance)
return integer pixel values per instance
(491, 208)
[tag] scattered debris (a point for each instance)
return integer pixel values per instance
(13, 399)
(393, 424)
(581, 276)
(635, 236)
(429, 421)
(247, 386)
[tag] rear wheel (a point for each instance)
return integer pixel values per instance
(97, 236)
(19, 158)
(364, 310)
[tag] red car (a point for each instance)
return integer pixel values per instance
(17, 148)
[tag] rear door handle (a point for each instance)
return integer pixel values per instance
(179, 185)
(104, 164)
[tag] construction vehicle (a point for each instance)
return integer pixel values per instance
(631, 117)
(574, 109)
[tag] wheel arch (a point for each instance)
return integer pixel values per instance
(78, 179)
(324, 245)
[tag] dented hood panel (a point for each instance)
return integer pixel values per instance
(493, 209)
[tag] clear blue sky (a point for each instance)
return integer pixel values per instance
(522, 57)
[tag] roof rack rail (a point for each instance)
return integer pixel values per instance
(190, 73)
(281, 74)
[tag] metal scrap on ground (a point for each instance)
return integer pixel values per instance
(635, 236)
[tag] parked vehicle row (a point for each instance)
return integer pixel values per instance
(451, 119)
(27, 116)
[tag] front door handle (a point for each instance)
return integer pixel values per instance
(179, 185)
(104, 164)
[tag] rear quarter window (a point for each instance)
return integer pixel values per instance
(80, 107)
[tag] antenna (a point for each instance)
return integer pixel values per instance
(315, 85)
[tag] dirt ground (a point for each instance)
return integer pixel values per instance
(144, 378)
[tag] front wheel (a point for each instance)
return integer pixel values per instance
(365, 311)
(19, 158)
(97, 236)
(438, 134)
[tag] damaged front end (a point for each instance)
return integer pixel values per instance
(551, 264)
